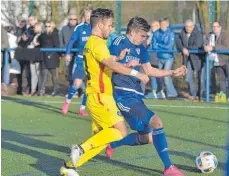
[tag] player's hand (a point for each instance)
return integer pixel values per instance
(68, 58)
(143, 77)
(123, 53)
(181, 71)
(133, 63)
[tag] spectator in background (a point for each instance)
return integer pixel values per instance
(4, 44)
(221, 43)
(65, 35)
(163, 39)
(24, 42)
(24, 64)
(35, 64)
(156, 83)
(32, 22)
(20, 28)
(14, 64)
(49, 39)
(191, 38)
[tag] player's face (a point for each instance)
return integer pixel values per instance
(139, 37)
(87, 16)
(107, 27)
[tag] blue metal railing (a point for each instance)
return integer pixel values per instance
(6, 62)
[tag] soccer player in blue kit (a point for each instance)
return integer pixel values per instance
(128, 94)
(80, 35)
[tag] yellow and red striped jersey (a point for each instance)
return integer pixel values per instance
(98, 75)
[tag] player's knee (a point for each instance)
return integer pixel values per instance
(155, 122)
(124, 133)
(122, 128)
(77, 83)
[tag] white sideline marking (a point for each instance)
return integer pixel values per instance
(150, 105)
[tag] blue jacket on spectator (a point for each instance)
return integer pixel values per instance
(163, 40)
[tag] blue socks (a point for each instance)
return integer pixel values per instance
(131, 139)
(160, 143)
(71, 91)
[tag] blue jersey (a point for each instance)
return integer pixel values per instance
(123, 84)
(80, 35)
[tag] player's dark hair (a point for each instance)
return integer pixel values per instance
(138, 23)
(100, 14)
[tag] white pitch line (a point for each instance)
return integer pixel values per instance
(150, 105)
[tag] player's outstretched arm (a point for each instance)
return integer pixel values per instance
(151, 71)
(120, 68)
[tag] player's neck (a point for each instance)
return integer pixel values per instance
(97, 33)
(130, 38)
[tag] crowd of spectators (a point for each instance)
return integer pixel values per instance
(36, 65)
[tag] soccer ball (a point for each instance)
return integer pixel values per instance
(206, 162)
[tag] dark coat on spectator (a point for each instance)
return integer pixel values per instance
(30, 34)
(222, 43)
(51, 40)
(195, 41)
(65, 35)
(20, 31)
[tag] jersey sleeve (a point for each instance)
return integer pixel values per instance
(115, 48)
(72, 40)
(101, 52)
(144, 55)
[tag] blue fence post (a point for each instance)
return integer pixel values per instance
(207, 79)
(6, 67)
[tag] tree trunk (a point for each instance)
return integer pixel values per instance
(203, 5)
(217, 10)
(227, 16)
(55, 15)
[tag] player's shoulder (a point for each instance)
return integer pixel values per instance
(120, 40)
(142, 47)
(79, 26)
(95, 42)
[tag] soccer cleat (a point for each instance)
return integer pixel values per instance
(76, 153)
(173, 171)
(65, 171)
(109, 151)
(65, 107)
(83, 112)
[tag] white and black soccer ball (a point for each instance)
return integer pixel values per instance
(206, 162)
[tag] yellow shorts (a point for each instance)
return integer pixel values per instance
(103, 111)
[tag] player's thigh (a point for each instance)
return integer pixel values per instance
(103, 110)
(78, 71)
(136, 107)
(136, 123)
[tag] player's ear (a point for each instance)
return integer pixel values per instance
(100, 25)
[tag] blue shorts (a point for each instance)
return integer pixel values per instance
(78, 69)
(135, 113)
